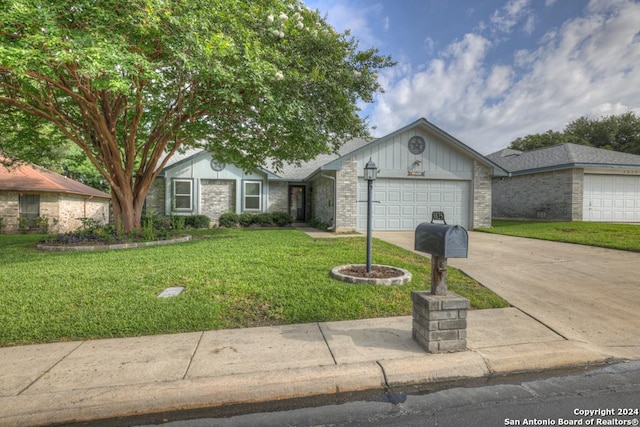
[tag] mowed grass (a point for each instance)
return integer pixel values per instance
(606, 235)
(232, 279)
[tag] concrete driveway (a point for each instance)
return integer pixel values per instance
(586, 294)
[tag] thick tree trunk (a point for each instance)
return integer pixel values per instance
(125, 218)
(127, 208)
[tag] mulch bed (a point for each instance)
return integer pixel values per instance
(377, 272)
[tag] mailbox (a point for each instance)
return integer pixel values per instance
(442, 240)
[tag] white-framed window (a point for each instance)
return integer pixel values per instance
(182, 194)
(252, 196)
(29, 205)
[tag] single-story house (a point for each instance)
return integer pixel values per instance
(567, 182)
(421, 169)
(31, 192)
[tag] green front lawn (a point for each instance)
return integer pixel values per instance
(232, 278)
(606, 235)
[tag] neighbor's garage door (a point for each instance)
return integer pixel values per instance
(405, 203)
(614, 198)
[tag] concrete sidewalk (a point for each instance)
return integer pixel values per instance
(81, 381)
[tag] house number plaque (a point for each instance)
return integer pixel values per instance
(416, 145)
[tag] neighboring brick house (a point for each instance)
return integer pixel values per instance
(422, 169)
(31, 192)
(567, 182)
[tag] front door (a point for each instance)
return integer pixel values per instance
(297, 202)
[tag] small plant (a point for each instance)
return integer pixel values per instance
(41, 224)
(1, 225)
(178, 223)
(24, 225)
(89, 224)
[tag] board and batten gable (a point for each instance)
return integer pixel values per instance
(439, 160)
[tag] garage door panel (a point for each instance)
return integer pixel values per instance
(611, 198)
(421, 196)
(409, 202)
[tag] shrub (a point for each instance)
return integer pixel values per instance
(197, 221)
(246, 219)
(263, 219)
(1, 225)
(318, 224)
(229, 220)
(281, 219)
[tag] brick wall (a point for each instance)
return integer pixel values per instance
(322, 200)
(278, 197)
(481, 196)
(347, 201)
(555, 195)
(218, 197)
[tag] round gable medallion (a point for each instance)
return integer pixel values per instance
(217, 166)
(416, 145)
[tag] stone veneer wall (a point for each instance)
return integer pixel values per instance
(555, 195)
(70, 208)
(481, 196)
(63, 209)
(347, 201)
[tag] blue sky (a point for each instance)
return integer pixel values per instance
(490, 71)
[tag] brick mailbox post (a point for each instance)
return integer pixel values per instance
(440, 316)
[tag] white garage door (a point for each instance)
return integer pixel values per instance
(614, 198)
(402, 204)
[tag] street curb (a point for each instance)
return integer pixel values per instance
(138, 399)
(262, 387)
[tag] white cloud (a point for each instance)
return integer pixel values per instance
(588, 66)
(511, 14)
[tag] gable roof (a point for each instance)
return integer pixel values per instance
(32, 178)
(562, 156)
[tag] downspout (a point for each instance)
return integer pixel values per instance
(335, 198)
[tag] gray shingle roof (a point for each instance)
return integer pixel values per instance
(561, 157)
(289, 171)
(292, 172)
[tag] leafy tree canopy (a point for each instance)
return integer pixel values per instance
(619, 133)
(130, 82)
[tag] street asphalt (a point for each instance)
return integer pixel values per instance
(571, 306)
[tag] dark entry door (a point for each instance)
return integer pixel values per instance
(297, 202)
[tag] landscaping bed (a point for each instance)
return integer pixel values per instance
(231, 277)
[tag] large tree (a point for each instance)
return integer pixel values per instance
(130, 82)
(619, 133)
